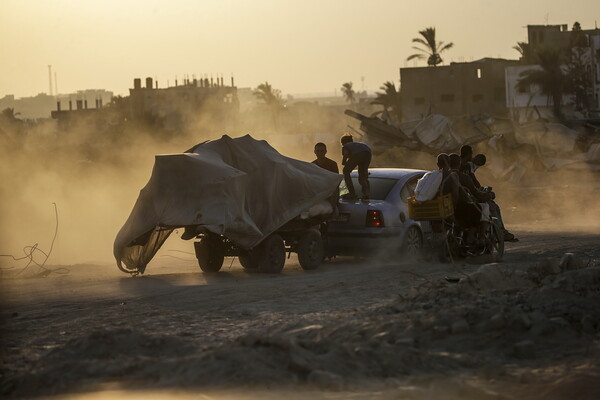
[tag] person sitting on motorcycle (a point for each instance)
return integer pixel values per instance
(472, 210)
(478, 161)
(466, 181)
(450, 184)
(466, 156)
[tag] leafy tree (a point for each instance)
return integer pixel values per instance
(118, 101)
(577, 37)
(265, 92)
(348, 92)
(551, 78)
(389, 99)
(432, 49)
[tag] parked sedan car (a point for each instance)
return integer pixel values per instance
(380, 225)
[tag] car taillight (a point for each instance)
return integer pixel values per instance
(374, 219)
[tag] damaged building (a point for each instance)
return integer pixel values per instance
(171, 109)
(180, 106)
(467, 88)
(478, 103)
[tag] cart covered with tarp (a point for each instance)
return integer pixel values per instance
(238, 189)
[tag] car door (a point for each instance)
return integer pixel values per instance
(397, 200)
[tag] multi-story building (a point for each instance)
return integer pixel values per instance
(540, 36)
(458, 89)
(490, 85)
(42, 105)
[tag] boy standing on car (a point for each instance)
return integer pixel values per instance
(356, 154)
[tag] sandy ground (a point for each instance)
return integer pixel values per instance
(526, 328)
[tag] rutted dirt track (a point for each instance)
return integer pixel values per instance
(349, 329)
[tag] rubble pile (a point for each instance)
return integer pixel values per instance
(493, 321)
(513, 149)
(496, 316)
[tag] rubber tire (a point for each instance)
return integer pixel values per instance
(310, 249)
(449, 250)
(498, 239)
(413, 243)
(270, 254)
(443, 255)
(248, 261)
(210, 253)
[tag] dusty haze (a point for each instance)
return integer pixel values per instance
(95, 180)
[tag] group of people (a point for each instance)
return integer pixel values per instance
(354, 155)
(473, 203)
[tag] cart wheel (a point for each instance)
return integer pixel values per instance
(271, 254)
(495, 241)
(248, 260)
(210, 253)
(449, 249)
(310, 249)
(443, 255)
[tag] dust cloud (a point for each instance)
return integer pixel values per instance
(93, 169)
(549, 200)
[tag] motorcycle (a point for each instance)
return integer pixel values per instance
(459, 242)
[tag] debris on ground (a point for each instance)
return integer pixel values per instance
(495, 322)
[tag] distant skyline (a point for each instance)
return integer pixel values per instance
(299, 47)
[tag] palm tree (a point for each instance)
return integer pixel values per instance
(348, 92)
(579, 82)
(432, 48)
(551, 78)
(272, 98)
(389, 98)
(525, 51)
(265, 92)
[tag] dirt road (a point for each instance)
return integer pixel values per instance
(348, 327)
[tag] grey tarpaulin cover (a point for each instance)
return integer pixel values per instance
(241, 188)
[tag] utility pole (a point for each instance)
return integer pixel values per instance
(50, 79)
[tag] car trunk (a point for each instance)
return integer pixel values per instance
(353, 214)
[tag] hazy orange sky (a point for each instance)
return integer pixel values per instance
(305, 46)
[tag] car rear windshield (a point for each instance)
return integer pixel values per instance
(380, 187)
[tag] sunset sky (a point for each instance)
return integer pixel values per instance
(300, 47)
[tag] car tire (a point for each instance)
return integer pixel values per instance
(248, 261)
(271, 254)
(310, 249)
(413, 243)
(210, 252)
